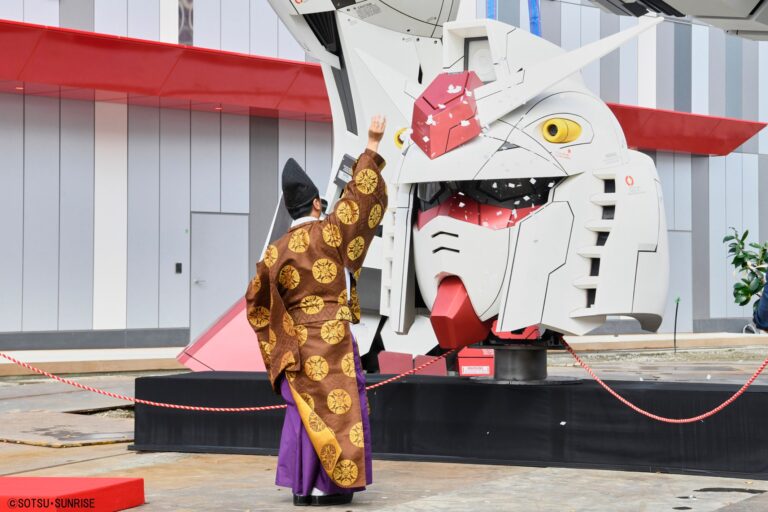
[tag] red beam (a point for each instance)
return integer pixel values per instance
(51, 61)
(73, 63)
(669, 130)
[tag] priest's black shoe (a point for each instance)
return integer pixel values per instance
(331, 499)
(302, 501)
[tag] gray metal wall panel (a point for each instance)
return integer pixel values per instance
(590, 32)
(43, 12)
(665, 164)
(665, 66)
(609, 65)
(292, 144)
(762, 177)
(481, 8)
(111, 17)
(716, 72)
(718, 228)
(235, 155)
(12, 10)
(144, 19)
(206, 161)
(174, 217)
(509, 12)
(76, 211)
(207, 23)
(682, 192)
(680, 283)
(319, 153)
(700, 69)
(700, 236)
(683, 68)
(287, 47)
(11, 209)
(733, 217)
(570, 31)
(551, 17)
(263, 29)
(143, 217)
(76, 14)
(235, 25)
(750, 86)
(733, 65)
(41, 214)
(264, 139)
(628, 65)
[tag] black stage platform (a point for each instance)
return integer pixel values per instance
(460, 420)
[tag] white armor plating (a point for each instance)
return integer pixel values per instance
(595, 243)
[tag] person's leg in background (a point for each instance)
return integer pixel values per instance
(761, 313)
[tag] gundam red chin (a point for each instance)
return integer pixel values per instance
(453, 318)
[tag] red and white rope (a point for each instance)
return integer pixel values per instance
(663, 419)
(194, 407)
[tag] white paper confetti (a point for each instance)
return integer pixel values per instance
(551, 184)
(495, 185)
(431, 120)
(465, 123)
(533, 181)
(562, 423)
(425, 139)
(462, 205)
(527, 198)
(453, 89)
(440, 105)
(469, 93)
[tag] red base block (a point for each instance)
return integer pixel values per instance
(70, 494)
(440, 368)
(395, 363)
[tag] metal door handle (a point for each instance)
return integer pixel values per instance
(199, 281)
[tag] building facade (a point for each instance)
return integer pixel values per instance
(125, 226)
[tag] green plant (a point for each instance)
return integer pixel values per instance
(751, 263)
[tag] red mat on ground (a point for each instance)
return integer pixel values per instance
(70, 494)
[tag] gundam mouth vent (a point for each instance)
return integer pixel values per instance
(495, 204)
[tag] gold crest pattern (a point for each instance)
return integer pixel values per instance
(348, 365)
(270, 255)
(299, 241)
(310, 401)
(348, 211)
(288, 325)
(312, 304)
(356, 436)
(375, 216)
(324, 271)
(332, 235)
(344, 313)
(328, 456)
(367, 180)
(356, 248)
(332, 332)
(259, 317)
(289, 277)
(345, 473)
(339, 401)
(301, 333)
(316, 368)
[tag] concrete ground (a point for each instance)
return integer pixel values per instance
(38, 414)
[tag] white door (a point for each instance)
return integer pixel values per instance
(219, 267)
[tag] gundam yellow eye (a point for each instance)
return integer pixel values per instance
(400, 136)
(559, 131)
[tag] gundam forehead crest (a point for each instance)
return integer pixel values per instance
(514, 200)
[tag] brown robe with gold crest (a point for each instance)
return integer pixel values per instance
(297, 304)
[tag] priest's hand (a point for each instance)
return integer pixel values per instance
(376, 132)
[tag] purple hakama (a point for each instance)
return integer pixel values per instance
(298, 465)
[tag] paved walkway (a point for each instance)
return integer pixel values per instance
(39, 413)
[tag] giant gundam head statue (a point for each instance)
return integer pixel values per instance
(514, 200)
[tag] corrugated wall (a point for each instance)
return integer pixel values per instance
(96, 199)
